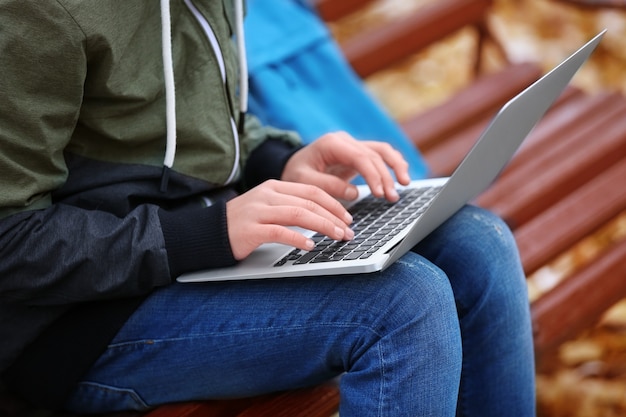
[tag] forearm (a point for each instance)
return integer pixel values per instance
(65, 254)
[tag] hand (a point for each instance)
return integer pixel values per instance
(333, 160)
(262, 214)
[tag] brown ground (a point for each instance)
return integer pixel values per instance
(589, 374)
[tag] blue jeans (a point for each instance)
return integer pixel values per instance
(444, 330)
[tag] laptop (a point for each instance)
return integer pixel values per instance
(385, 231)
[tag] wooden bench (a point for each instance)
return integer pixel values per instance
(565, 184)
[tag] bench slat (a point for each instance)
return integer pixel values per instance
(447, 155)
(571, 161)
(381, 47)
(332, 10)
(578, 302)
(562, 121)
(477, 101)
(318, 401)
(573, 218)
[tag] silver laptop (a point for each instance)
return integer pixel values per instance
(385, 231)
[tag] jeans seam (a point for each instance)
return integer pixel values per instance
(148, 341)
(383, 384)
(115, 390)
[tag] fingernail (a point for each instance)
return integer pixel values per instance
(393, 194)
(310, 244)
(351, 194)
(348, 234)
(348, 218)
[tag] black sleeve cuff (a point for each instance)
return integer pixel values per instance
(196, 239)
(267, 162)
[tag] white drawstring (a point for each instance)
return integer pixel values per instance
(243, 62)
(170, 92)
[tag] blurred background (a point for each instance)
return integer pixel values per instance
(588, 375)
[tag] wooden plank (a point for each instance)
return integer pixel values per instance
(571, 161)
(218, 408)
(570, 220)
(446, 155)
(332, 10)
(563, 121)
(191, 409)
(381, 47)
(477, 101)
(578, 302)
(317, 401)
(595, 4)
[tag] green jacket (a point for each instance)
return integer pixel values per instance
(82, 144)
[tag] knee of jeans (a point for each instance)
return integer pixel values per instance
(416, 292)
(484, 263)
(492, 229)
(480, 240)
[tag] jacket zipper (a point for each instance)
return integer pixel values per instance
(206, 27)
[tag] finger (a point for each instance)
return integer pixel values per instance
(306, 214)
(373, 168)
(395, 160)
(306, 219)
(384, 179)
(312, 198)
(280, 234)
(356, 155)
(390, 158)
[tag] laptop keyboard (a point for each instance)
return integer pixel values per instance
(375, 222)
